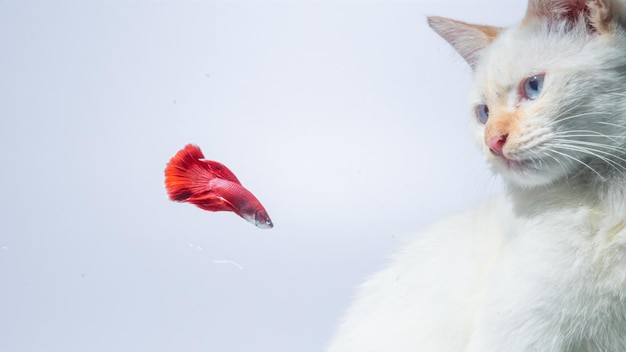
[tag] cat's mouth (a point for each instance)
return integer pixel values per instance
(527, 170)
(515, 164)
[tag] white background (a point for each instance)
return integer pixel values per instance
(348, 120)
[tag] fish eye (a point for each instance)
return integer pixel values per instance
(482, 113)
(531, 87)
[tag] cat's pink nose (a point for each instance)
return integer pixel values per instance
(496, 143)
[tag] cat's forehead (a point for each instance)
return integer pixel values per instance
(520, 52)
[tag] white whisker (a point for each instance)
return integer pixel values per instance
(588, 133)
(578, 161)
(597, 153)
(599, 146)
(559, 120)
(610, 124)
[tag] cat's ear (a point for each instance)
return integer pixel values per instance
(601, 16)
(469, 40)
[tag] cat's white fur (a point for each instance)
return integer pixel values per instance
(542, 268)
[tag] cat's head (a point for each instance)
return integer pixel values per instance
(549, 98)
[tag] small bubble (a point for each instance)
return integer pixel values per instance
(228, 261)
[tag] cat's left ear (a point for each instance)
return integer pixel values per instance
(469, 40)
(601, 16)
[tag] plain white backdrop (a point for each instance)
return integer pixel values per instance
(347, 119)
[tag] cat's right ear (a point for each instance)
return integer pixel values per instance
(469, 40)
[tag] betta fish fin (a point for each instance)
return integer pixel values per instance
(220, 171)
(186, 176)
(211, 202)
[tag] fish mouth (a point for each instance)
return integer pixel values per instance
(267, 224)
(262, 220)
(259, 221)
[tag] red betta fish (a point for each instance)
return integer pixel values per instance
(211, 186)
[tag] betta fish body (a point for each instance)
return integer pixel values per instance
(211, 186)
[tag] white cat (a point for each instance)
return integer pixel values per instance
(544, 267)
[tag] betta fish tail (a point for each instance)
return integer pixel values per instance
(186, 176)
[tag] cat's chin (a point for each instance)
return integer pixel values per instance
(524, 173)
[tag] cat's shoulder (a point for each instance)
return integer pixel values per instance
(451, 250)
(407, 296)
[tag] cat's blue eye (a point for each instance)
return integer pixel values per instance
(531, 87)
(482, 113)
